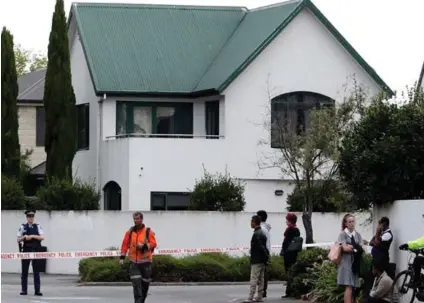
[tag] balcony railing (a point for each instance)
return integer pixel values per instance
(173, 136)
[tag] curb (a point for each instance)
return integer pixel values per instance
(173, 283)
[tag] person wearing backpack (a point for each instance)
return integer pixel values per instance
(29, 239)
(139, 242)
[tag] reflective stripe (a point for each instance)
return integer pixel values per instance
(146, 280)
(135, 277)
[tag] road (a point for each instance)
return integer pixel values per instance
(64, 289)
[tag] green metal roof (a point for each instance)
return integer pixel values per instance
(142, 49)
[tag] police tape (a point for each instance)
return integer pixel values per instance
(117, 253)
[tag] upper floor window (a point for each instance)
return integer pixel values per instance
(212, 119)
(83, 126)
(169, 201)
(159, 119)
(291, 113)
(40, 125)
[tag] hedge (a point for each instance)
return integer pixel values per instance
(208, 267)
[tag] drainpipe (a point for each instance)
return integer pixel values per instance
(99, 126)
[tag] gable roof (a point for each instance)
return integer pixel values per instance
(31, 86)
(148, 49)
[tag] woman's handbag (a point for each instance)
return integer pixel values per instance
(295, 245)
(335, 254)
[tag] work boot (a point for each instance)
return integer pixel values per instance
(23, 293)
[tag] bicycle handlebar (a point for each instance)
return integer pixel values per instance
(419, 251)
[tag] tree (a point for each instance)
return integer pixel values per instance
(309, 155)
(382, 156)
(219, 192)
(334, 199)
(10, 151)
(28, 61)
(59, 101)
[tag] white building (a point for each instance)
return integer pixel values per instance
(164, 90)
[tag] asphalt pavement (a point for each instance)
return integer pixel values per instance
(64, 289)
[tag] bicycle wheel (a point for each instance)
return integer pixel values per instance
(402, 292)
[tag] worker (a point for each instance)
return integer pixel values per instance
(139, 242)
(29, 239)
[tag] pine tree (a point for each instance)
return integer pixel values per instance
(59, 101)
(10, 149)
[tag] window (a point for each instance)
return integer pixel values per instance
(40, 130)
(292, 113)
(83, 129)
(112, 196)
(212, 119)
(159, 119)
(169, 201)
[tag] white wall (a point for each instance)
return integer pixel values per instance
(406, 223)
(260, 194)
(304, 57)
(85, 162)
(97, 230)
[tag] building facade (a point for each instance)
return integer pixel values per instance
(159, 102)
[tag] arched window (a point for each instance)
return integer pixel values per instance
(112, 196)
(291, 113)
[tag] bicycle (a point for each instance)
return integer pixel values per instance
(403, 290)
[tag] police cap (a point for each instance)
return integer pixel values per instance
(30, 212)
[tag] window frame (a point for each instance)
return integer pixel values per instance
(212, 129)
(300, 97)
(40, 132)
(129, 117)
(83, 144)
(165, 193)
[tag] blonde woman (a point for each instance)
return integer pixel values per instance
(348, 271)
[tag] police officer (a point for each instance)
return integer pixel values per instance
(30, 236)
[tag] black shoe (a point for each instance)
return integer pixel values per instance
(285, 296)
(37, 293)
(264, 294)
(23, 293)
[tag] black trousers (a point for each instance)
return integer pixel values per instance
(417, 265)
(289, 261)
(25, 270)
(140, 274)
(372, 300)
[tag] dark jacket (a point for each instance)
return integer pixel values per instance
(290, 234)
(258, 251)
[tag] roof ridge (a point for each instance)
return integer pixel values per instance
(220, 51)
(159, 6)
(274, 5)
(32, 86)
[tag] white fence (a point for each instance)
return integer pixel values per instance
(97, 230)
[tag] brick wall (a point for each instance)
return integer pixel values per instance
(27, 132)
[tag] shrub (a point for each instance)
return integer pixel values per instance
(214, 267)
(65, 195)
(299, 274)
(218, 192)
(332, 199)
(12, 194)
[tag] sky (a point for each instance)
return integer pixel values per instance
(388, 34)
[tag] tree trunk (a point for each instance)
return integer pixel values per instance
(307, 223)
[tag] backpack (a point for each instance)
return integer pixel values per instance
(146, 238)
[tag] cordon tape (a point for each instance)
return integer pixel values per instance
(117, 253)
